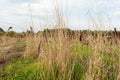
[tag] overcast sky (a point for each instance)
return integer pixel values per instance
(79, 13)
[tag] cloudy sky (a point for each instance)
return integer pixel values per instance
(78, 14)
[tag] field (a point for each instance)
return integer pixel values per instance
(61, 40)
(60, 54)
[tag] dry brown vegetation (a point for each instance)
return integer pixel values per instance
(59, 51)
(60, 54)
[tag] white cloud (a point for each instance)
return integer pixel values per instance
(17, 11)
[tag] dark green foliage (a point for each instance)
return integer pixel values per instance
(1, 32)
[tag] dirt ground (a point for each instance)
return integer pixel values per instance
(10, 51)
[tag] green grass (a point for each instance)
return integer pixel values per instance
(21, 43)
(21, 69)
(34, 69)
(81, 50)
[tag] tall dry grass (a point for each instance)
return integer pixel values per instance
(60, 62)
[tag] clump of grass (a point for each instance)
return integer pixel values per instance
(32, 43)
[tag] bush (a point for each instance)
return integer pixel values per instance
(1, 32)
(12, 34)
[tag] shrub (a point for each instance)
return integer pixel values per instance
(12, 34)
(1, 32)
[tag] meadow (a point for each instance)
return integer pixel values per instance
(59, 54)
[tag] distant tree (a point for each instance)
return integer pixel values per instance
(85, 31)
(21, 35)
(12, 34)
(1, 32)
